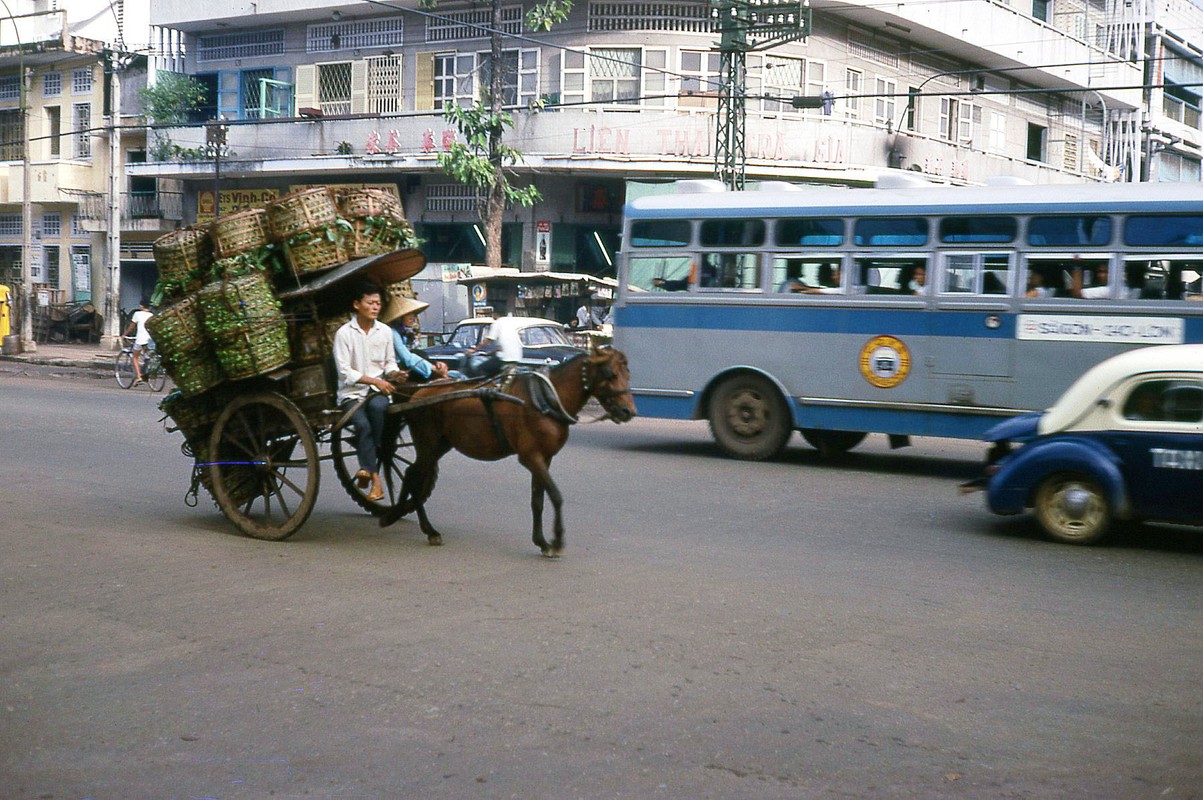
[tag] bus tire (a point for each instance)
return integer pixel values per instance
(749, 418)
(832, 443)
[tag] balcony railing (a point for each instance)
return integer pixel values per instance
(154, 205)
(1181, 111)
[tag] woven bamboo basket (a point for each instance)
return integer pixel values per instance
(182, 255)
(193, 415)
(230, 307)
(312, 341)
(316, 254)
(242, 482)
(369, 240)
(358, 203)
(403, 288)
(301, 211)
(239, 232)
(195, 371)
(377, 221)
(255, 351)
(177, 329)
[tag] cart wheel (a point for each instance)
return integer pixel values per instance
(395, 456)
(260, 481)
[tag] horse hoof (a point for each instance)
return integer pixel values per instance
(553, 552)
(434, 541)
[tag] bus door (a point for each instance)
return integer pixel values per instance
(971, 330)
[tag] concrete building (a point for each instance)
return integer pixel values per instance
(62, 176)
(624, 93)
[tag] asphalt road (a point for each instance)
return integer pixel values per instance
(716, 629)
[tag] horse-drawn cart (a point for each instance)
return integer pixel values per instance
(247, 336)
(258, 441)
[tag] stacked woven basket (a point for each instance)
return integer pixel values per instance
(224, 321)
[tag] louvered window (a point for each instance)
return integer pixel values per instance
(355, 34)
(452, 25)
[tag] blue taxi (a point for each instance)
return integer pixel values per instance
(1125, 442)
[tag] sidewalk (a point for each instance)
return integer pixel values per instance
(67, 355)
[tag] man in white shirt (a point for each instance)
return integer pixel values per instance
(365, 361)
(503, 344)
(137, 326)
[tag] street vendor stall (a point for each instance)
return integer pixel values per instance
(551, 295)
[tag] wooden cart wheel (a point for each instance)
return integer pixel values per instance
(264, 465)
(395, 456)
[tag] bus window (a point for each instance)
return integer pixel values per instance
(730, 271)
(660, 233)
(1069, 230)
(890, 232)
(809, 232)
(1163, 279)
(976, 273)
(957, 230)
(899, 275)
(732, 233)
(1152, 231)
(665, 273)
(1082, 278)
(806, 275)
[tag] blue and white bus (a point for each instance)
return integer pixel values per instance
(910, 309)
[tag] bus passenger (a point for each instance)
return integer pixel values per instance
(1036, 287)
(1097, 290)
(918, 282)
(671, 284)
(829, 281)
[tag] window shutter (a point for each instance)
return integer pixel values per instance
(424, 81)
(229, 86)
(359, 87)
(305, 91)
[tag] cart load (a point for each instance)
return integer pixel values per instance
(251, 304)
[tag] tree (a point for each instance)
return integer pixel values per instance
(483, 160)
(169, 102)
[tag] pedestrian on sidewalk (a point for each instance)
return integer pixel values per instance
(137, 326)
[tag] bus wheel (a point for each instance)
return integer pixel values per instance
(832, 443)
(1072, 509)
(749, 418)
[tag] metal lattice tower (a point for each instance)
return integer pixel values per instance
(746, 25)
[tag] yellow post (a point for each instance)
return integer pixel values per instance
(6, 303)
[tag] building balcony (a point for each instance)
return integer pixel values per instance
(51, 181)
(647, 144)
(1065, 52)
(141, 212)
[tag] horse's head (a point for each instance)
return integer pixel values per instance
(609, 380)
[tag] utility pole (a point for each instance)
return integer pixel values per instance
(746, 25)
(112, 280)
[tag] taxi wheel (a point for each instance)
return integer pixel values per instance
(749, 418)
(1072, 509)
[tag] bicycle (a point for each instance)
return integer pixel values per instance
(153, 373)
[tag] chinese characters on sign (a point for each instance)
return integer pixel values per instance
(392, 144)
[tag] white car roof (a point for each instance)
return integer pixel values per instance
(1073, 409)
(525, 322)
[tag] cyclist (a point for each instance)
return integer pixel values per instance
(142, 336)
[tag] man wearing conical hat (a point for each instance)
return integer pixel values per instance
(401, 313)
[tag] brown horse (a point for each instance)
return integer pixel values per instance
(490, 429)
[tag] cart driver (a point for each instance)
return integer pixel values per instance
(366, 363)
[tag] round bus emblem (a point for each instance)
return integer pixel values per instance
(885, 361)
